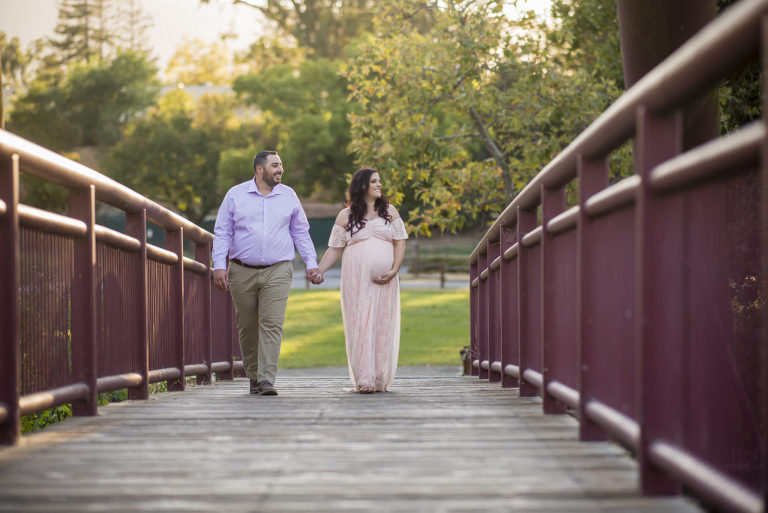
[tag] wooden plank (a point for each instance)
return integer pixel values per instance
(318, 446)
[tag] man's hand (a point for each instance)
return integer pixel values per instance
(220, 279)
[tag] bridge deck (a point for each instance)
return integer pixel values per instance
(319, 447)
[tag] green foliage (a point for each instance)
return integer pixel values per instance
(115, 396)
(459, 115)
(434, 327)
(39, 420)
(197, 62)
(740, 95)
(82, 31)
(166, 157)
(13, 61)
(88, 106)
(306, 110)
(740, 99)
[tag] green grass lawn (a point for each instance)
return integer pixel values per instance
(434, 327)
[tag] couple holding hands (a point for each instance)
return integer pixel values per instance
(257, 226)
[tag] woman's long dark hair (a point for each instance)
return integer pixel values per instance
(358, 187)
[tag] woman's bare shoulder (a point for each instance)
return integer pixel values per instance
(343, 218)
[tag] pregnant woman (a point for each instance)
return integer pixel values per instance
(374, 237)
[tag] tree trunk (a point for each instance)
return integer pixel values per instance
(495, 151)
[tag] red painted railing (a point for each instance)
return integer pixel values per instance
(643, 308)
(85, 309)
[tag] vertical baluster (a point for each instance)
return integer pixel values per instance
(136, 226)
(174, 242)
(661, 314)
(203, 255)
(10, 268)
(510, 347)
(552, 204)
(593, 177)
(526, 222)
(82, 206)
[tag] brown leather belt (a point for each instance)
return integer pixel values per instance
(249, 266)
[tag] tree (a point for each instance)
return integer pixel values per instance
(322, 27)
(306, 109)
(88, 106)
(83, 32)
(133, 24)
(165, 157)
(460, 115)
(197, 62)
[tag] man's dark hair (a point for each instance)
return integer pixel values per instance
(261, 158)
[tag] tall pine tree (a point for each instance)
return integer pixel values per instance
(83, 32)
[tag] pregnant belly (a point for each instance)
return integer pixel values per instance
(379, 256)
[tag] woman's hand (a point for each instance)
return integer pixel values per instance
(385, 278)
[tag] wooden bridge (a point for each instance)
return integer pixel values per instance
(621, 341)
(319, 447)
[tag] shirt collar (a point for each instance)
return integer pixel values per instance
(277, 189)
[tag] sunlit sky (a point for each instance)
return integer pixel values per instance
(173, 21)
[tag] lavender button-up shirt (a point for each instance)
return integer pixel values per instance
(261, 230)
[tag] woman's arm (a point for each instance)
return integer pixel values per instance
(329, 258)
(399, 256)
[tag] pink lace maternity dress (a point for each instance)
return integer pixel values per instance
(371, 312)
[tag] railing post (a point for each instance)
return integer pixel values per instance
(552, 204)
(203, 255)
(82, 206)
(661, 318)
(593, 177)
(10, 375)
(136, 226)
(526, 222)
(764, 244)
(174, 242)
(510, 347)
(228, 340)
(473, 316)
(482, 293)
(494, 313)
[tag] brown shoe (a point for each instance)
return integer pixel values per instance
(254, 389)
(266, 388)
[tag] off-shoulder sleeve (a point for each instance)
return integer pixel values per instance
(399, 229)
(338, 238)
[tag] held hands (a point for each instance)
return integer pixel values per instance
(386, 277)
(315, 276)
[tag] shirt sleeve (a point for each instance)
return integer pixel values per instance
(398, 228)
(222, 233)
(338, 238)
(299, 229)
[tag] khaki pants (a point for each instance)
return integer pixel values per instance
(260, 296)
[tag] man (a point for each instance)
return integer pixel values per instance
(258, 224)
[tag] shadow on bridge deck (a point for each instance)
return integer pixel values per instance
(319, 447)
